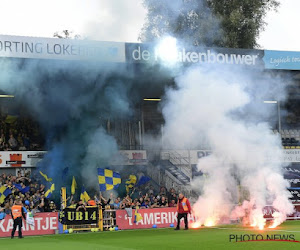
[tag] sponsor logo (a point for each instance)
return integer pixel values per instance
(204, 56)
(37, 155)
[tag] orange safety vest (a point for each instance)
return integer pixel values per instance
(91, 203)
(184, 205)
(16, 211)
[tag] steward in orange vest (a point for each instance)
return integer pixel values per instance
(17, 212)
(92, 202)
(183, 209)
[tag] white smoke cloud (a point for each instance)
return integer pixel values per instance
(107, 20)
(116, 20)
(223, 107)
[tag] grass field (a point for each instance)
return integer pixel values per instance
(156, 239)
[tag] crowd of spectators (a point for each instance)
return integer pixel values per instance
(19, 134)
(136, 199)
(25, 188)
(32, 194)
(147, 199)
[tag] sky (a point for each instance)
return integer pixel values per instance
(122, 20)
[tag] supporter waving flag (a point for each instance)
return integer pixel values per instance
(50, 191)
(130, 182)
(23, 190)
(84, 195)
(108, 179)
(4, 192)
(45, 176)
(137, 216)
(73, 186)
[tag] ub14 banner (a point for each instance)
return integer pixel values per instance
(20, 158)
(69, 216)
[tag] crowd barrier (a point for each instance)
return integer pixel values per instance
(44, 223)
(163, 217)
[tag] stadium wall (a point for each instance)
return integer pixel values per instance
(164, 217)
(44, 223)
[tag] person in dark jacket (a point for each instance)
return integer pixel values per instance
(183, 209)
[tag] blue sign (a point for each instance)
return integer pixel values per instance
(281, 60)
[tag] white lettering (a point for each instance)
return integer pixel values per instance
(53, 223)
(157, 218)
(10, 225)
(129, 220)
(186, 56)
(194, 57)
(46, 226)
(164, 218)
(148, 218)
(174, 217)
(38, 220)
(1, 226)
(239, 59)
(220, 58)
(136, 54)
(146, 55)
(248, 59)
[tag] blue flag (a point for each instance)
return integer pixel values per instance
(143, 180)
(22, 190)
(65, 173)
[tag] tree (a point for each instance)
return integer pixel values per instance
(222, 23)
(66, 34)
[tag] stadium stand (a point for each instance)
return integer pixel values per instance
(142, 198)
(25, 188)
(19, 134)
(289, 137)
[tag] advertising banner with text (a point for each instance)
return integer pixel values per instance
(130, 157)
(62, 49)
(44, 223)
(164, 217)
(152, 53)
(17, 159)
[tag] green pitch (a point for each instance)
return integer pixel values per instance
(157, 239)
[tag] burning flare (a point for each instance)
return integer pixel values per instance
(258, 222)
(277, 219)
(196, 224)
(210, 222)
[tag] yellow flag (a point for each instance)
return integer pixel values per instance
(45, 176)
(84, 195)
(130, 182)
(137, 216)
(73, 186)
(49, 191)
